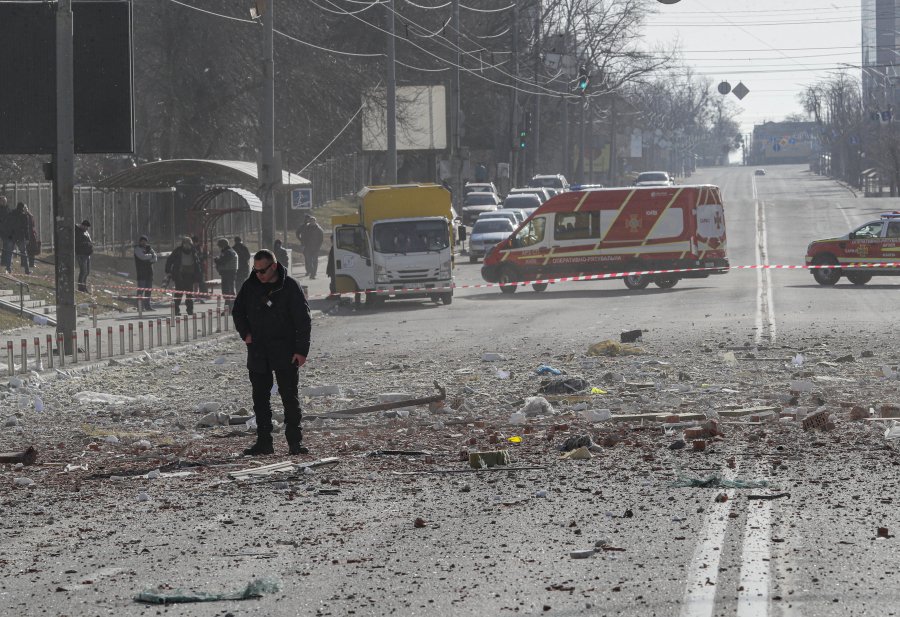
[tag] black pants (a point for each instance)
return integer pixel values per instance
(312, 263)
(288, 380)
(184, 283)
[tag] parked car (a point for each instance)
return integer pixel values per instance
(514, 215)
(759, 172)
(541, 192)
(556, 181)
(480, 187)
(486, 233)
(476, 203)
(654, 178)
(874, 242)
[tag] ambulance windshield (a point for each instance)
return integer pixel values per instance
(532, 233)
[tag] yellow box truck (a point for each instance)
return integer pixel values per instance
(399, 244)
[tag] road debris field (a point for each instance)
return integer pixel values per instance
(654, 477)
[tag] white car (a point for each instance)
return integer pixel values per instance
(654, 178)
(486, 233)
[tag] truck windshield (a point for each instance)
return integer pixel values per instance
(411, 237)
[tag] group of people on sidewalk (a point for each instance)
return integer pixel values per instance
(18, 234)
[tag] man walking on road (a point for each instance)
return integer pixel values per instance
(84, 248)
(144, 258)
(183, 265)
(311, 236)
(6, 241)
(20, 225)
(272, 317)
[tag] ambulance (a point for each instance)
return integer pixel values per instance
(616, 230)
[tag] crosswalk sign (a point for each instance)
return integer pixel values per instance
(301, 199)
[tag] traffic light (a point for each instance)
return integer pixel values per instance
(584, 79)
(523, 135)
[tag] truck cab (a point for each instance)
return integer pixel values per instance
(398, 245)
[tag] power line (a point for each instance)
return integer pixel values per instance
(341, 132)
(472, 8)
(332, 51)
(198, 9)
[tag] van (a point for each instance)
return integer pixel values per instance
(616, 231)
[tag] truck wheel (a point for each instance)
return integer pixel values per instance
(826, 276)
(666, 283)
(507, 275)
(373, 299)
(858, 278)
(636, 281)
(447, 298)
(539, 287)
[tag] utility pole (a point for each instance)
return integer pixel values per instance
(514, 101)
(455, 153)
(581, 141)
(64, 176)
(271, 176)
(391, 99)
(613, 146)
(538, 40)
(565, 132)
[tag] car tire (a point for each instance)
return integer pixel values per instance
(858, 278)
(507, 275)
(826, 276)
(636, 281)
(666, 282)
(539, 287)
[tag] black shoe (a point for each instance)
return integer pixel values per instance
(297, 448)
(260, 448)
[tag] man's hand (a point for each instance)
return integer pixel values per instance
(298, 360)
(248, 339)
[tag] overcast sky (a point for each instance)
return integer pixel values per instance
(775, 47)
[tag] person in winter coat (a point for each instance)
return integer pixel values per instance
(243, 254)
(311, 236)
(6, 242)
(84, 248)
(271, 315)
(144, 258)
(227, 266)
(32, 239)
(21, 224)
(281, 255)
(183, 265)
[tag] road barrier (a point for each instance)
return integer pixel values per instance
(33, 357)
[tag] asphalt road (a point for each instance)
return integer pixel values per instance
(491, 545)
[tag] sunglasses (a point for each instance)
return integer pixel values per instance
(261, 270)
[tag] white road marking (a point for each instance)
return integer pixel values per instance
(753, 598)
(700, 596)
(765, 310)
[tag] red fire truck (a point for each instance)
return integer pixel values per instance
(621, 230)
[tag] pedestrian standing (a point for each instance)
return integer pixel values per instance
(281, 255)
(226, 266)
(6, 244)
(311, 236)
(272, 317)
(144, 258)
(329, 270)
(33, 241)
(203, 254)
(183, 265)
(21, 232)
(243, 254)
(84, 248)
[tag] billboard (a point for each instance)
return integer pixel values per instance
(102, 77)
(421, 119)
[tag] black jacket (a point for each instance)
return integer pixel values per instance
(83, 243)
(144, 258)
(174, 268)
(277, 318)
(243, 254)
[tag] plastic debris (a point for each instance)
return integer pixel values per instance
(547, 370)
(514, 439)
(579, 441)
(23, 481)
(517, 418)
(729, 358)
(38, 404)
(501, 374)
(716, 481)
(254, 589)
(480, 460)
(536, 406)
(492, 357)
(893, 431)
(596, 390)
(564, 385)
(798, 360)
